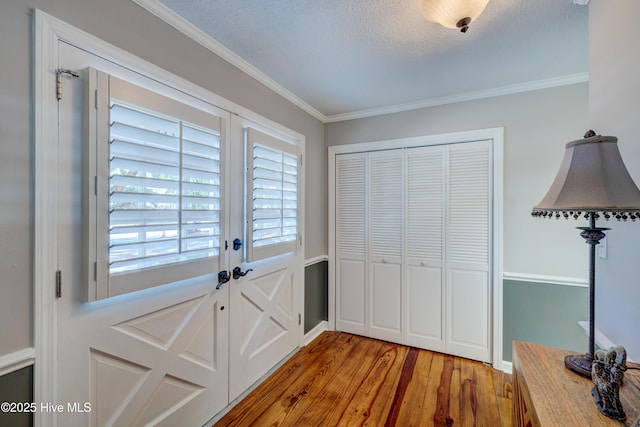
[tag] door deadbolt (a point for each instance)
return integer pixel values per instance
(237, 244)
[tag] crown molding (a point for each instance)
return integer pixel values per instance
(471, 96)
(179, 23)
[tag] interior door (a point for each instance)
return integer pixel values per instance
(351, 242)
(265, 321)
(424, 297)
(386, 244)
(468, 250)
(152, 357)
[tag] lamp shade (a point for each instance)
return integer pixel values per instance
(592, 178)
(453, 13)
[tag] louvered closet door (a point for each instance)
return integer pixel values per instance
(468, 236)
(413, 244)
(424, 296)
(351, 237)
(386, 242)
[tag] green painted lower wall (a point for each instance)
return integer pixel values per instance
(544, 313)
(17, 387)
(316, 294)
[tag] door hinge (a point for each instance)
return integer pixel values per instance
(299, 318)
(59, 73)
(59, 284)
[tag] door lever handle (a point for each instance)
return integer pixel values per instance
(223, 277)
(237, 272)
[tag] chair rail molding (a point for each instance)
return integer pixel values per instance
(17, 360)
(540, 278)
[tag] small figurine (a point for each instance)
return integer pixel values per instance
(607, 371)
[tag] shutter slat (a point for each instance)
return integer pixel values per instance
(147, 137)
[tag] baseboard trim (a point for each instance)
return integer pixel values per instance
(507, 367)
(540, 278)
(17, 360)
(315, 332)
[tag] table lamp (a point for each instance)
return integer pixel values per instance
(592, 182)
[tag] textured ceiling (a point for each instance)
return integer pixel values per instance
(346, 56)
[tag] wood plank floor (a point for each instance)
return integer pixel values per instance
(347, 380)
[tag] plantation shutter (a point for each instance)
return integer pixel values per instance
(272, 203)
(158, 190)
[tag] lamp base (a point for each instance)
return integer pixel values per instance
(579, 363)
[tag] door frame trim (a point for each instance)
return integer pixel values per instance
(48, 32)
(496, 135)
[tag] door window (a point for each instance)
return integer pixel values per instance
(154, 211)
(272, 223)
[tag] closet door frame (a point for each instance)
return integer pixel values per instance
(496, 136)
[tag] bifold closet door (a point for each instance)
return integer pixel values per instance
(369, 244)
(386, 244)
(413, 240)
(424, 295)
(351, 240)
(468, 256)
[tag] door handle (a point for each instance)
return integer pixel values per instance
(237, 272)
(223, 277)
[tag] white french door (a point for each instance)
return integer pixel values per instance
(179, 353)
(153, 357)
(266, 316)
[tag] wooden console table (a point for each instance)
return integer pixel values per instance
(545, 393)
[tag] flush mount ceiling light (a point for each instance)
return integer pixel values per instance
(455, 14)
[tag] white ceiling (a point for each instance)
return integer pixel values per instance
(349, 58)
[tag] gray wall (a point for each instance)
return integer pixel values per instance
(537, 125)
(16, 387)
(316, 295)
(614, 90)
(128, 26)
